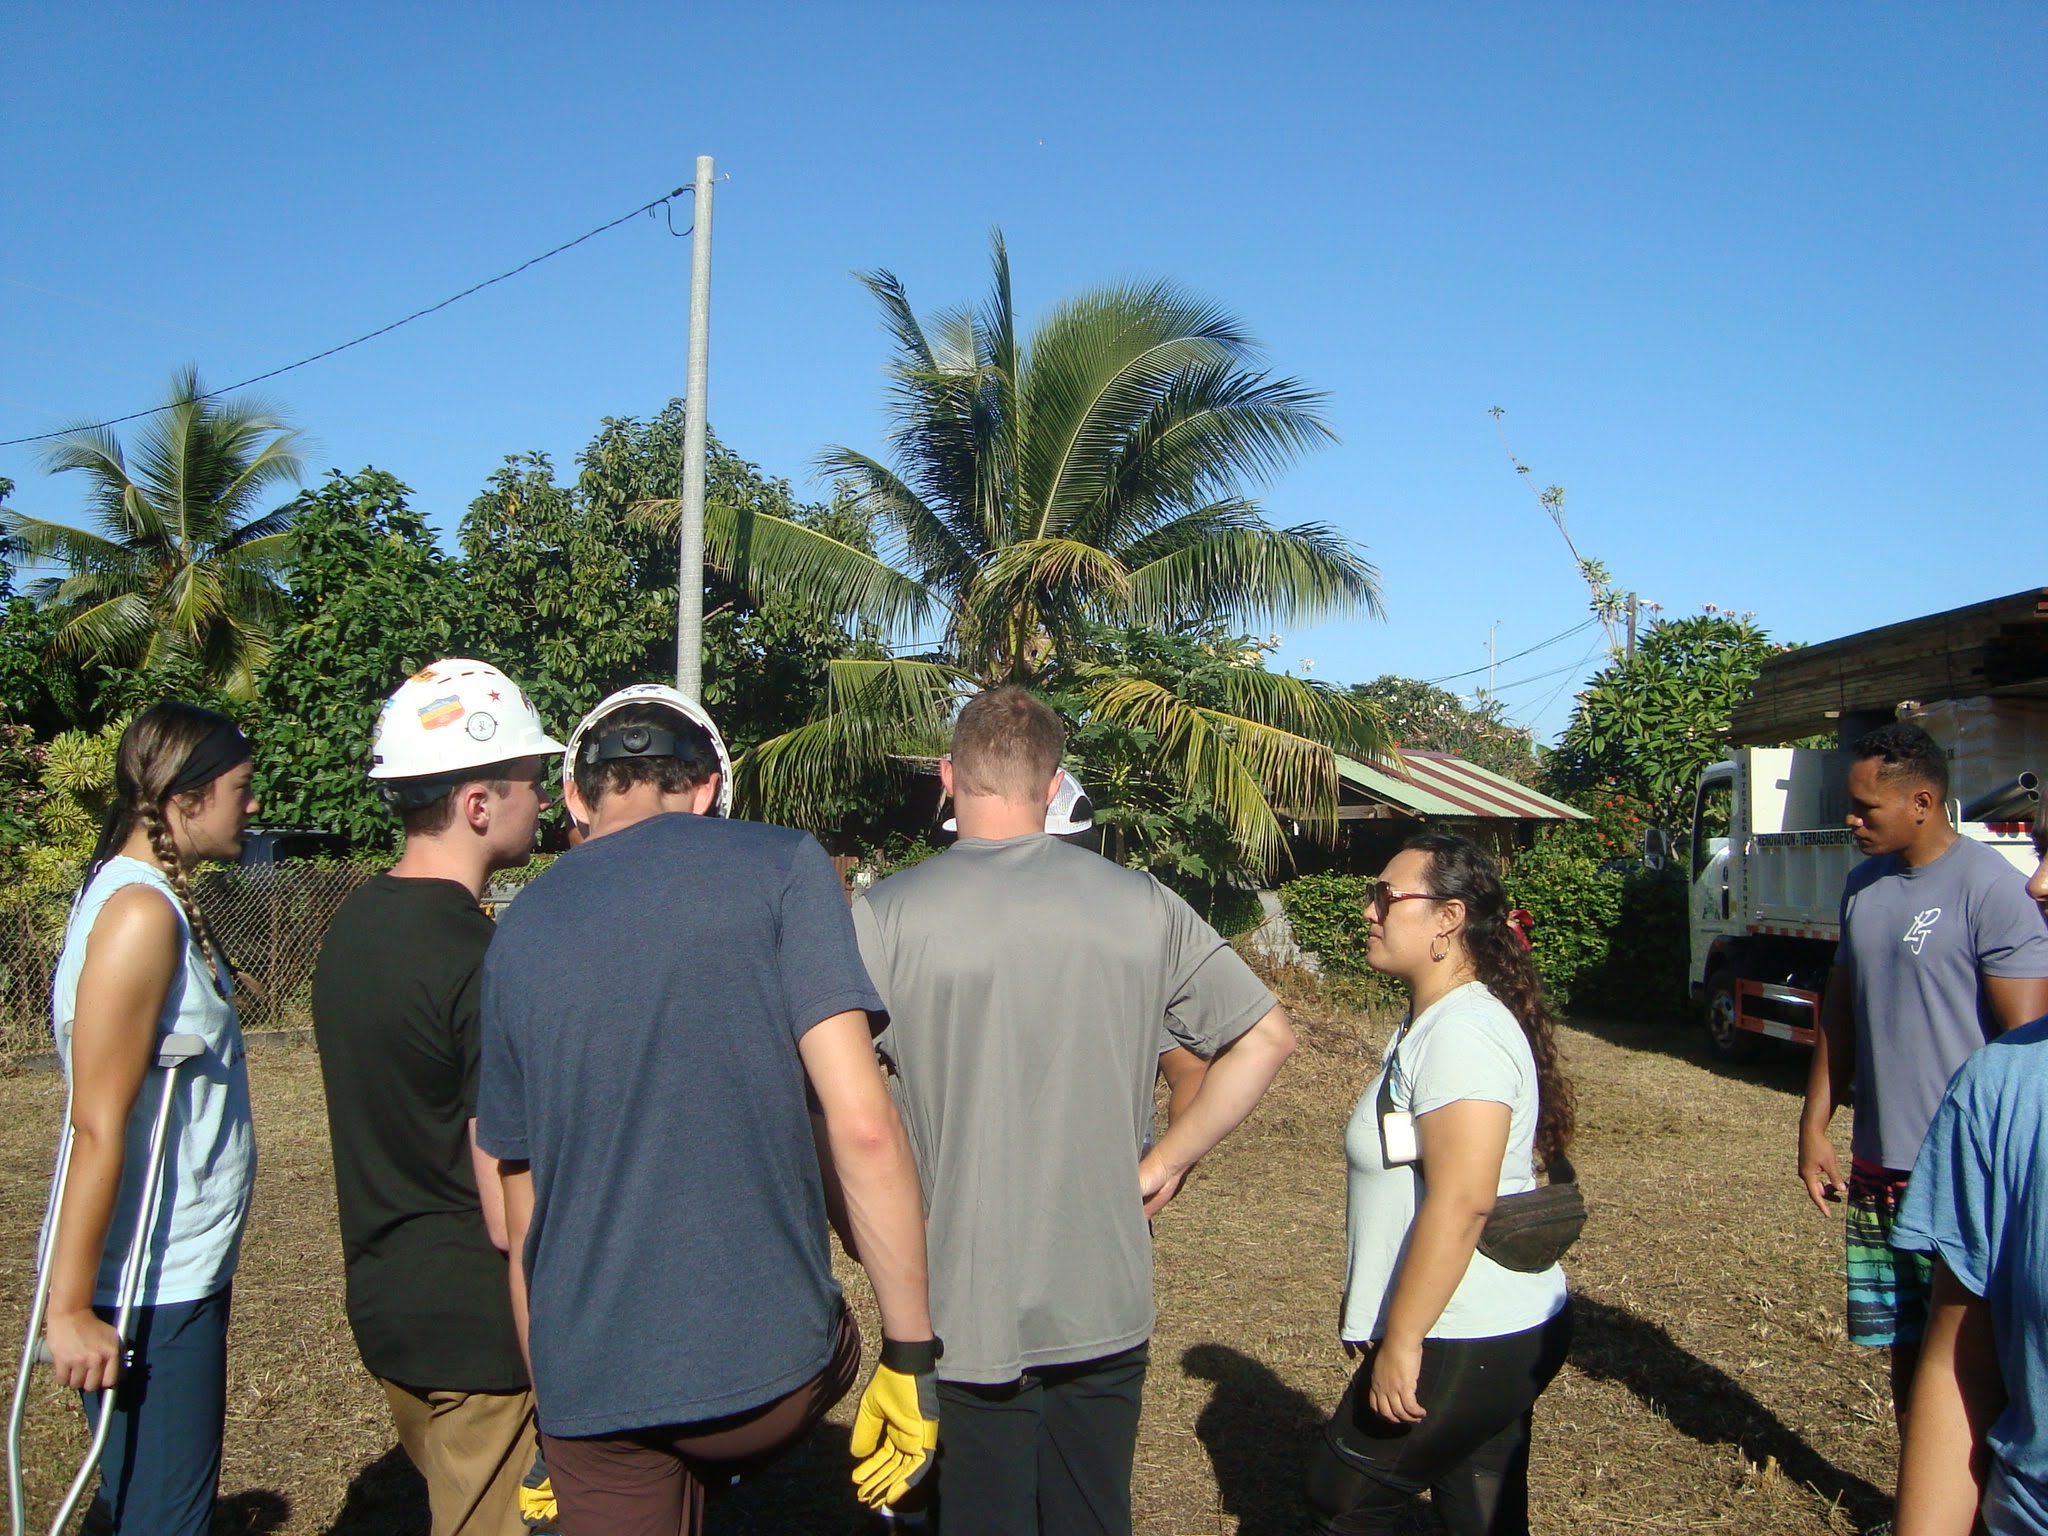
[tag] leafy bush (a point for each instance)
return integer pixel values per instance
(1327, 915)
(1575, 897)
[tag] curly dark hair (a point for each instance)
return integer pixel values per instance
(1907, 752)
(1460, 870)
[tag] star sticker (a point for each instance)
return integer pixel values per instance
(494, 695)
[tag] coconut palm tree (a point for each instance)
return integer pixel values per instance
(185, 560)
(1093, 476)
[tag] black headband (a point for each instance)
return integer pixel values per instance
(630, 741)
(222, 748)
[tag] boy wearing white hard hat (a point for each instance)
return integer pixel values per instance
(654, 1007)
(463, 759)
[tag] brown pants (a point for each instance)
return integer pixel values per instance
(650, 1482)
(473, 1448)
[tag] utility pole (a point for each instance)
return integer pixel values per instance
(1631, 626)
(690, 548)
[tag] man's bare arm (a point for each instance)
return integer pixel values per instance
(1957, 1393)
(490, 1191)
(1827, 1084)
(2016, 1000)
(870, 1160)
(517, 1179)
(1235, 1082)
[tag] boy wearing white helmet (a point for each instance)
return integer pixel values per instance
(654, 1006)
(463, 759)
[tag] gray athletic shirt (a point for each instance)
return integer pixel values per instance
(1027, 982)
(1915, 942)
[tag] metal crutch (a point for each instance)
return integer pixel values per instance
(172, 1052)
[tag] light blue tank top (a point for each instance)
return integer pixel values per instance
(210, 1149)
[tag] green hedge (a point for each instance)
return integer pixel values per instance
(1608, 937)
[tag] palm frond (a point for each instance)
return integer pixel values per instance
(874, 711)
(116, 629)
(1243, 767)
(1257, 576)
(766, 556)
(930, 548)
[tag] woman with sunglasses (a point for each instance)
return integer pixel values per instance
(1454, 1349)
(139, 962)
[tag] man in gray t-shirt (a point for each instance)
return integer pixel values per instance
(1941, 949)
(1028, 983)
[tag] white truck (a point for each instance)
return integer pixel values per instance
(1770, 850)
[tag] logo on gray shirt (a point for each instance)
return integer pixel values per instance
(1923, 925)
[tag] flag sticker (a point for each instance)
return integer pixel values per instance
(441, 712)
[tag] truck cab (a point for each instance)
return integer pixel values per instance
(1771, 851)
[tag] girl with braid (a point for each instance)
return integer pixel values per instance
(1455, 1348)
(139, 963)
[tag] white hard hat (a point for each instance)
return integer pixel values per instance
(669, 698)
(1071, 810)
(454, 715)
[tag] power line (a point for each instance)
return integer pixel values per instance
(1560, 688)
(1540, 645)
(382, 330)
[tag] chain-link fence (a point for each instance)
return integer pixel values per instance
(270, 919)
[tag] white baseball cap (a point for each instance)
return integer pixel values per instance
(1071, 810)
(668, 698)
(452, 716)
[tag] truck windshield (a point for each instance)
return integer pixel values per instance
(1710, 822)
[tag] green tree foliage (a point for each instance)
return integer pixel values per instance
(1648, 724)
(1094, 475)
(1432, 719)
(185, 564)
(373, 599)
(574, 587)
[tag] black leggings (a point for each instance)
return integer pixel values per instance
(1471, 1451)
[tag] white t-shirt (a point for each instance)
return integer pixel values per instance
(1466, 1045)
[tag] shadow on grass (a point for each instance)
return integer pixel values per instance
(1705, 1403)
(386, 1498)
(1258, 1432)
(252, 1512)
(1777, 1065)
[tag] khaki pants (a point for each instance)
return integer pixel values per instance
(473, 1448)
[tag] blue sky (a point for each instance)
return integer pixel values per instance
(1760, 286)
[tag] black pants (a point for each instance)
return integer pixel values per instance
(1046, 1455)
(1471, 1451)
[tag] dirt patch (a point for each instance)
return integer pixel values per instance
(1710, 1387)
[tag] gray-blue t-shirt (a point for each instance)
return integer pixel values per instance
(1979, 1198)
(642, 1004)
(1916, 943)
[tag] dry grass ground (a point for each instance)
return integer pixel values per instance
(1710, 1388)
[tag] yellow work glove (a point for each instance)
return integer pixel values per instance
(896, 1431)
(537, 1507)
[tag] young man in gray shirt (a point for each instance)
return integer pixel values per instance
(1027, 983)
(1941, 949)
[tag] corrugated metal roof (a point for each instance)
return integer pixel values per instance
(1438, 784)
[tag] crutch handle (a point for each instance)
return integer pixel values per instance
(174, 1051)
(41, 1355)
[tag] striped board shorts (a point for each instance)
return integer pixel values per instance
(1888, 1289)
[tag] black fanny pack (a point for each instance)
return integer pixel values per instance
(1530, 1232)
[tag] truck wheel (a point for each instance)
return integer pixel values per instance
(1725, 1042)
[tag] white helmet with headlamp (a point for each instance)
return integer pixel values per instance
(450, 718)
(591, 743)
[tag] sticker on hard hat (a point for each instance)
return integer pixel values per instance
(441, 712)
(481, 727)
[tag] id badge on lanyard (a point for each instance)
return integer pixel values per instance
(1398, 1146)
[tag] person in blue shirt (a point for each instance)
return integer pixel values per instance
(1976, 1441)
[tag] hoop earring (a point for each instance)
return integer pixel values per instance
(1441, 949)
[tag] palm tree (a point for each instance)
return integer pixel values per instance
(185, 562)
(1094, 476)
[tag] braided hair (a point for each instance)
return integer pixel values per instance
(1460, 870)
(154, 751)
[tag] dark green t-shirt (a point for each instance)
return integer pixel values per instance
(395, 1014)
